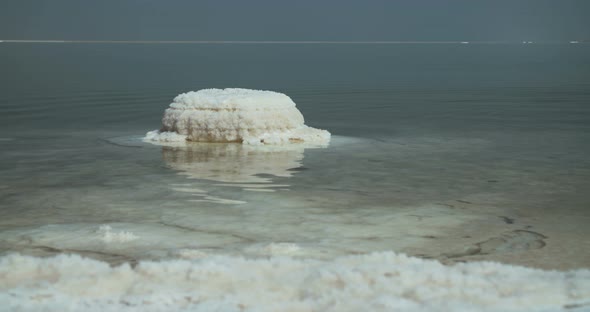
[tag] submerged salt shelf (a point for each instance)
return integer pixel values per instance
(378, 282)
(235, 115)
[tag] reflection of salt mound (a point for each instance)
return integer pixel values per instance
(235, 115)
(234, 163)
(376, 282)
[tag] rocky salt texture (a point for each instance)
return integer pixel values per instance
(376, 282)
(235, 115)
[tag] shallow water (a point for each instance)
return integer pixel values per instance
(455, 152)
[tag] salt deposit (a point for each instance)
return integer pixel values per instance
(108, 236)
(376, 282)
(235, 115)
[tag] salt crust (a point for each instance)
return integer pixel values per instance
(375, 282)
(108, 236)
(251, 117)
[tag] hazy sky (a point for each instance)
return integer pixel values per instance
(295, 19)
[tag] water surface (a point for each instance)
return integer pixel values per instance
(454, 152)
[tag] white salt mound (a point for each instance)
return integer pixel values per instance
(235, 115)
(376, 282)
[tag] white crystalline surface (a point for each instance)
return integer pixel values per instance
(108, 236)
(158, 136)
(375, 282)
(235, 115)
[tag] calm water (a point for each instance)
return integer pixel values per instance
(437, 149)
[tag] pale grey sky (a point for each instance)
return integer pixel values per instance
(364, 20)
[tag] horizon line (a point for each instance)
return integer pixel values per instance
(287, 41)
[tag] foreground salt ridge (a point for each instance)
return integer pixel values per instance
(251, 117)
(377, 282)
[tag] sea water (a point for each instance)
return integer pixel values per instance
(456, 153)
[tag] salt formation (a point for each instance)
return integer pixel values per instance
(376, 282)
(235, 115)
(108, 236)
